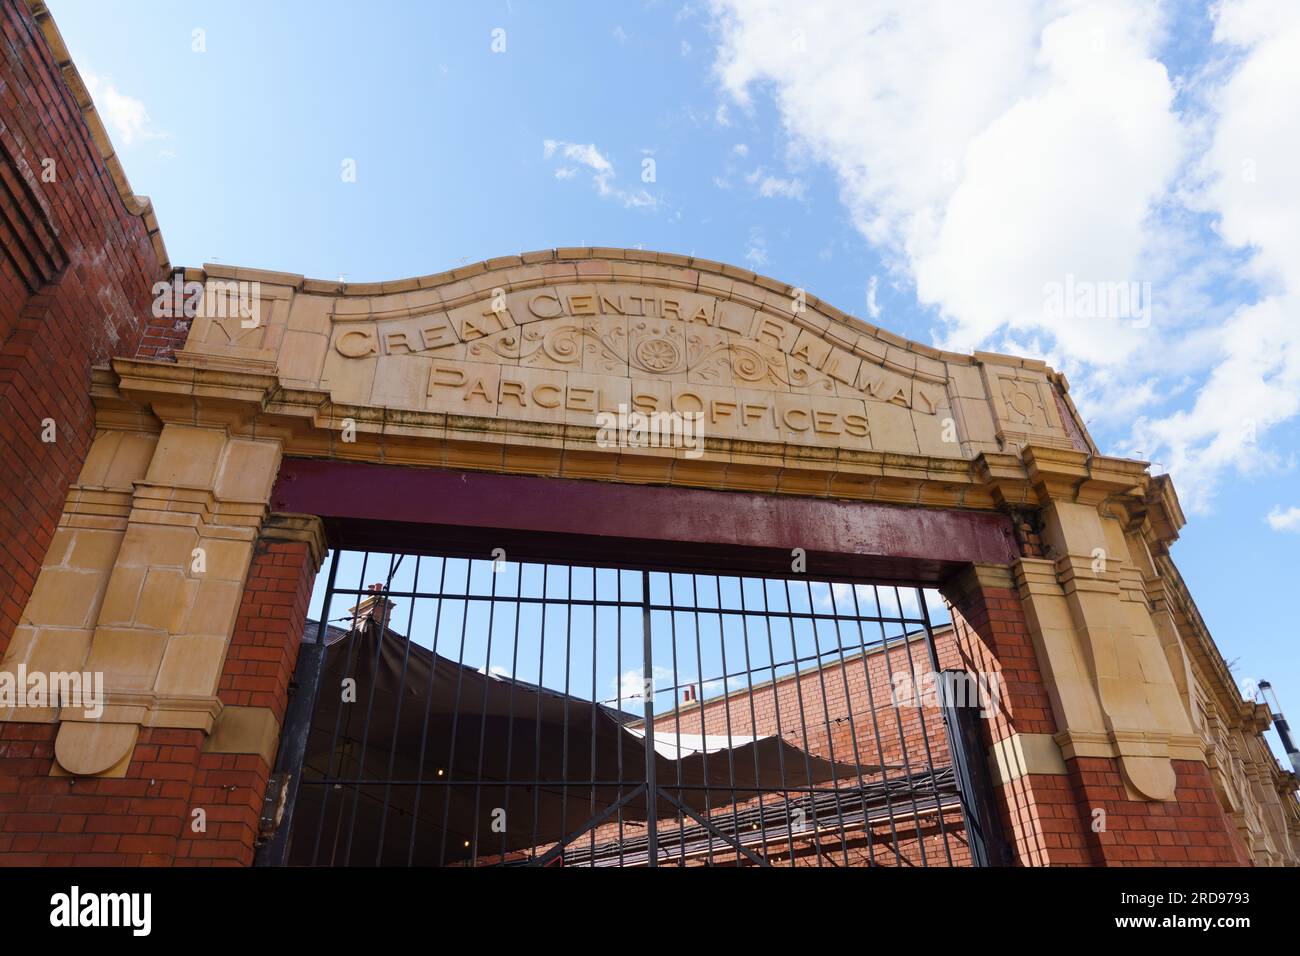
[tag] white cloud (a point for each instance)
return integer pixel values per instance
(587, 154)
(631, 683)
(988, 147)
(125, 116)
(620, 34)
(993, 151)
(740, 149)
(602, 172)
(873, 308)
(756, 248)
(776, 186)
(1253, 184)
(1288, 520)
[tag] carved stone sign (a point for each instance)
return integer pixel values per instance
(566, 353)
(568, 341)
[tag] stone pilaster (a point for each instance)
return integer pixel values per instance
(1107, 661)
(144, 583)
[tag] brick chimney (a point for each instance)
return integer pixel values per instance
(374, 608)
(688, 693)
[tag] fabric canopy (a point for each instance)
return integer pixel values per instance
(419, 716)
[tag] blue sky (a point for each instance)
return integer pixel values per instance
(930, 170)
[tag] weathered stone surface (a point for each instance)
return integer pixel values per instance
(664, 336)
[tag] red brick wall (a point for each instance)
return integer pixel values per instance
(145, 819)
(259, 665)
(820, 722)
(76, 277)
(1190, 830)
(165, 334)
(1039, 813)
(822, 712)
(268, 630)
(1049, 819)
(80, 821)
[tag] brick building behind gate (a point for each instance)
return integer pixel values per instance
(134, 438)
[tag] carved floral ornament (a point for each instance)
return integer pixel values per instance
(642, 332)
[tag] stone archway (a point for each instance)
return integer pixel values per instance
(177, 574)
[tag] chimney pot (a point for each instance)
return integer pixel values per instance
(376, 607)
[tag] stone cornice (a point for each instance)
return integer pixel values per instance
(306, 421)
(143, 395)
(1131, 743)
(1121, 486)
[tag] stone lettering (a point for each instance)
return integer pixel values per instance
(716, 365)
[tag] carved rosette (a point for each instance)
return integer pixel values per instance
(658, 348)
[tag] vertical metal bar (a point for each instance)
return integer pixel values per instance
(397, 718)
(510, 714)
(338, 720)
(537, 726)
(482, 727)
(726, 701)
(776, 709)
(595, 714)
(564, 740)
(428, 701)
(983, 834)
(875, 722)
(455, 718)
(677, 725)
(826, 713)
(381, 629)
(618, 703)
(753, 721)
(943, 715)
(803, 720)
(297, 728)
(699, 669)
(647, 692)
(965, 749)
(925, 732)
(898, 719)
(853, 729)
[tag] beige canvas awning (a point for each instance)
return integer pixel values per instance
(502, 730)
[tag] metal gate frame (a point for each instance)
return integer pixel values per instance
(969, 769)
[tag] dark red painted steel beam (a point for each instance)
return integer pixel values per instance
(423, 509)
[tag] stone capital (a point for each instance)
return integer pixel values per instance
(308, 529)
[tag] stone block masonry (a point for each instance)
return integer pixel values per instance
(79, 255)
(187, 799)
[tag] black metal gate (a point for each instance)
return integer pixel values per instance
(455, 711)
